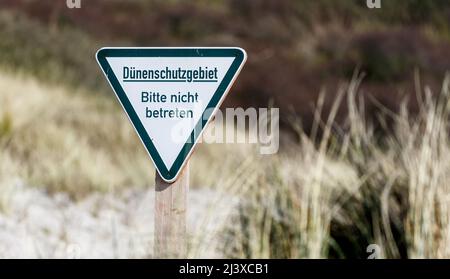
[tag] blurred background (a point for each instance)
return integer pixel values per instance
(364, 162)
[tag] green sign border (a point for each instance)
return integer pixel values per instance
(171, 174)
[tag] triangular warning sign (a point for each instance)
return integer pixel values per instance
(170, 94)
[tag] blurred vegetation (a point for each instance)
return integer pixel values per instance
(296, 48)
(56, 57)
(322, 198)
(63, 141)
(352, 190)
(5, 124)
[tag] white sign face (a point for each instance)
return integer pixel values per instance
(170, 94)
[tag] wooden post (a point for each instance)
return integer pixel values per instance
(170, 216)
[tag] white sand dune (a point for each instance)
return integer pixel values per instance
(113, 225)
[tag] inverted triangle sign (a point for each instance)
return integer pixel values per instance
(170, 95)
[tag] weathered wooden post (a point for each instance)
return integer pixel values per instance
(170, 216)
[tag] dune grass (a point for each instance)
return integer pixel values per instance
(355, 187)
(79, 142)
(327, 196)
(65, 141)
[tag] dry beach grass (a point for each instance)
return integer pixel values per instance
(326, 196)
(67, 142)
